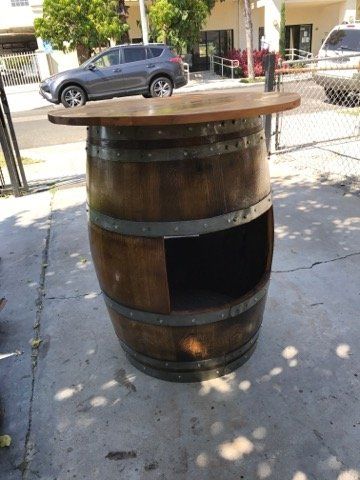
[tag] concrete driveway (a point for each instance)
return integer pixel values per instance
(76, 409)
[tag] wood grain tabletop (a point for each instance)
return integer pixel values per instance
(177, 110)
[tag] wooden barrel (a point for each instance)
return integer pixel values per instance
(181, 234)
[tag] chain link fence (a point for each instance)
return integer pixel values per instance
(324, 132)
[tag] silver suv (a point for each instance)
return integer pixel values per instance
(152, 70)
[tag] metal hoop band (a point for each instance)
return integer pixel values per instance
(192, 371)
(183, 227)
(174, 154)
(108, 134)
(185, 320)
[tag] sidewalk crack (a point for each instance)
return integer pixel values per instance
(317, 263)
(80, 295)
(23, 467)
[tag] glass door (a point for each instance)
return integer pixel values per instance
(298, 37)
(212, 42)
(305, 38)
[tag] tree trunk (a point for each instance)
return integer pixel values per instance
(282, 39)
(83, 53)
(249, 39)
(123, 16)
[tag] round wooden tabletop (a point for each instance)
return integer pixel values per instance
(177, 110)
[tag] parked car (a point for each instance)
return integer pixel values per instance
(152, 70)
(339, 50)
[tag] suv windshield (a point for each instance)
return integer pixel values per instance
(343, 40)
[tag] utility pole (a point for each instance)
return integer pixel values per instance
(144, 25)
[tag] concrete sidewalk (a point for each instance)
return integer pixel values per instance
(76, 409)
(25, 97)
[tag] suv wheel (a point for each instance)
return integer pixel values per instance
(73, 96)
(161, 87)
(330, 94)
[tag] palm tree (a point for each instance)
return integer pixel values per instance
(123, 12)
(249, 38)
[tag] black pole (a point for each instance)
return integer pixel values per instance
(6, 108)
(269, 66)
(9, 156)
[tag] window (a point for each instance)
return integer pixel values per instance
(298, 37)
(19, 3)
(156, 51)
(109, 59)
(211, 42)
(134, 54)
(261, 43)
(344, 40)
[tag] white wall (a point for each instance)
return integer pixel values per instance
(59, 61)
(133, 19)
(225, 16)
(15, 17)
(323, 15)
(347, 11)
(323, 18)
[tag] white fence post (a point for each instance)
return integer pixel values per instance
(43, 65)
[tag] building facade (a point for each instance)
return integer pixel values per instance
(307, 24)
(16, 27)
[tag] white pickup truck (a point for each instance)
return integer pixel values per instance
(341, 52)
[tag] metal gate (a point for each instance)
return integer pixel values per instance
(19, 69)
(328, 119)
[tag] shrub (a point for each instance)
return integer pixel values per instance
(241, 56)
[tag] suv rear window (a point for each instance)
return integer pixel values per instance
(343, 39)
(156, 51)
(134, 54)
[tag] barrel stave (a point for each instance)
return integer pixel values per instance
(203, 185)
(181, 227)
(186, 344)
(131, 269)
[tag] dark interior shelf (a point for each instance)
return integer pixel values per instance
(217, 268)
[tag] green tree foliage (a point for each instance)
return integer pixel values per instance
(81, 25)
(178, 22)
(282, 44)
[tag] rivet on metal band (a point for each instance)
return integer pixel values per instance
(185, 320)
(174, 154)
(183, 227)
(196, 130)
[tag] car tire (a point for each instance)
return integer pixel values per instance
(330, 95)
(344, 99)
(147, 95)
(73, 96)
(161, 87)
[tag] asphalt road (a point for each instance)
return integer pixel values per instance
(34, 130)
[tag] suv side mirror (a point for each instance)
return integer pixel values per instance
(91, 66)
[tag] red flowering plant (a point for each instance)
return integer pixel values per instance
(241, 57)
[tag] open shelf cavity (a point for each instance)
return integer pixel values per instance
(211, 270)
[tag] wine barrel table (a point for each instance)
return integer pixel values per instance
(181, 225)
